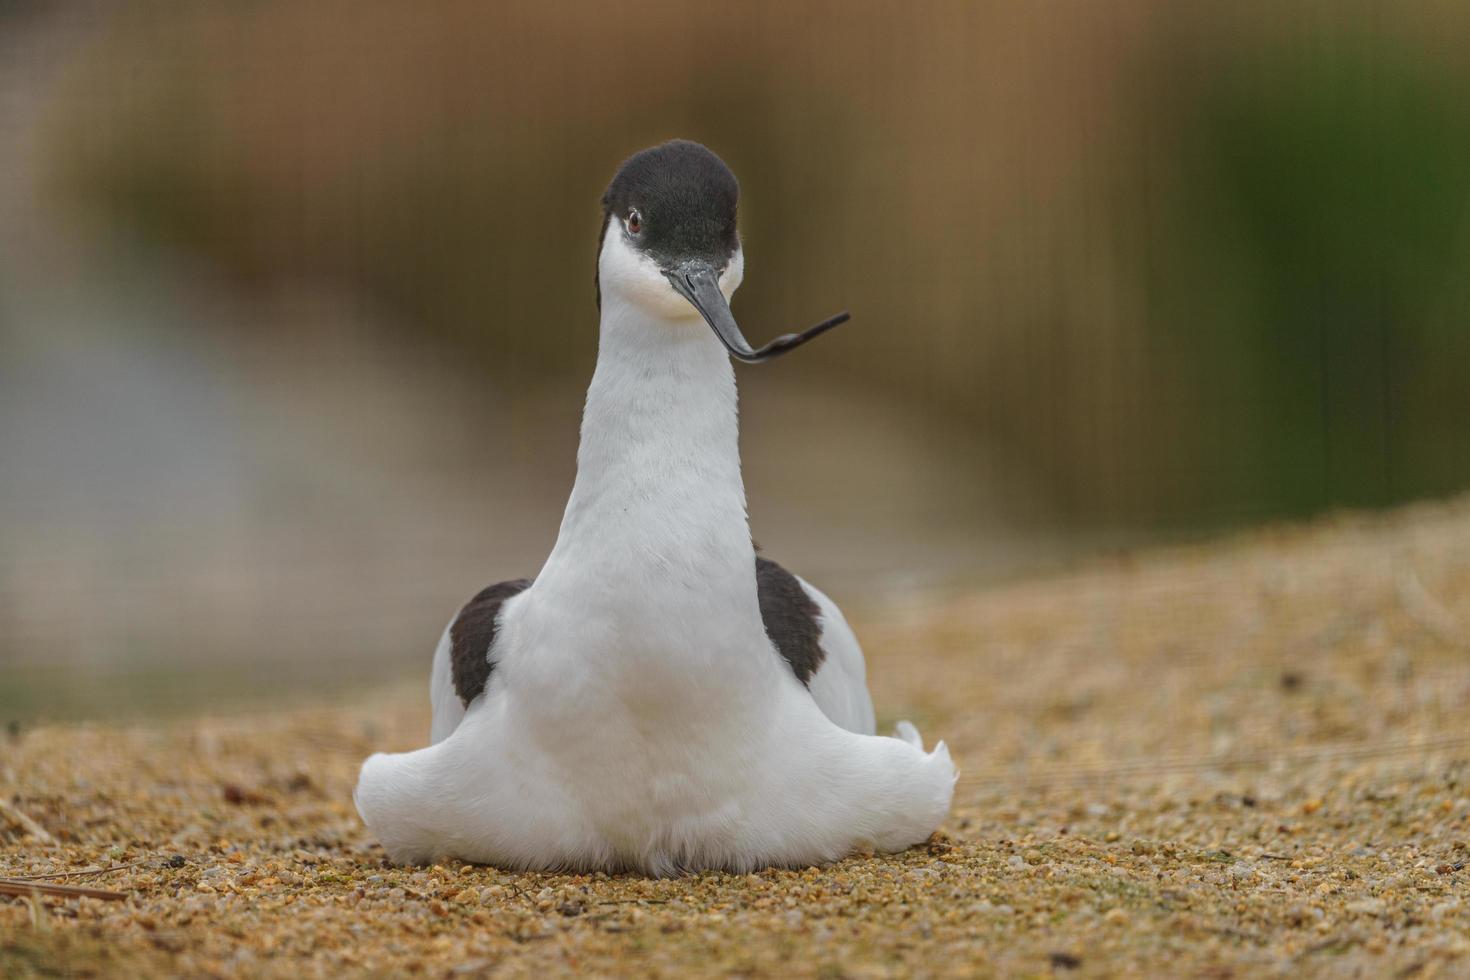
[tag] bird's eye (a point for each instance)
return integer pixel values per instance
(635, 222)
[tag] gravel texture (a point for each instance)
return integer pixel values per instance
(1246, 757)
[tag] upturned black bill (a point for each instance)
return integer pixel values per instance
(699, 283)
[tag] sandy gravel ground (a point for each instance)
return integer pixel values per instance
(1250, 757)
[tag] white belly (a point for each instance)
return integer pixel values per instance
(594, 750)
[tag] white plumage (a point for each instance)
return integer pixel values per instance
(637, 715)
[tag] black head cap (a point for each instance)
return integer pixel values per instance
(676, 204)
(685, 198)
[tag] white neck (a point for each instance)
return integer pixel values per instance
(659, 504)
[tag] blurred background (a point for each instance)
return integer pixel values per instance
(296, 304)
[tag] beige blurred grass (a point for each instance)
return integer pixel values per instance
(1244, 757)
(995, 190)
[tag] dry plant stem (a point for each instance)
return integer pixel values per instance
(25, 823)
(83, 873)
(1429, 612)
(39, 920)
(27, 889)
(1456, 744)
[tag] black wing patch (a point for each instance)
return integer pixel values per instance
(790, 616)
(472, 633)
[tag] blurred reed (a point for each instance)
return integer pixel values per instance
(1178, 265)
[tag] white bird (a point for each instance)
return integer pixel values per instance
(659, 698)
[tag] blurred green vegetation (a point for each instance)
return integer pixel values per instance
(1183, 266)
(1332, 187)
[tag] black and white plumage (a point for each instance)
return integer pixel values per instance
(659, 697)
(806, 628)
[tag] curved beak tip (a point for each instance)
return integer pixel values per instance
(699, 283)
